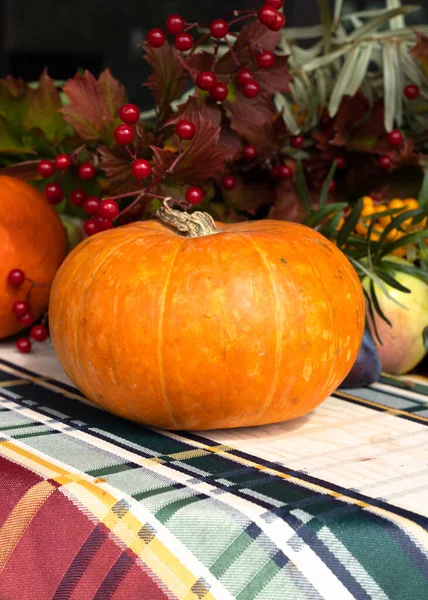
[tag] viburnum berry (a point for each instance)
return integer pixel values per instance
(385, 163)
(141, 168)
(53, 193)
(46, 168)
(23, 345)
(129, 114)
(183, 42)
(194, 195)
(219, 28)
(296, 141)
(205, 80)
(279, 23)
(185, 129)
(251, 88)
(156, 37)
(341, 163)
(243, 76)
(16, 277)
(62, 162)
(277, 4)
(103, 223)
(332, 186)
(219, 92)
(20, 307)
(86, 171)
(249, 152)
(39, 333)
(411, 91)
(281, 172)
(175, 24)
(27, 319)
(266, 59)
(124, 135)
(267, 15)
(90, 227)
(228, 182)
(77, 197)
(395, 137)
(109, 209)
(91, 205)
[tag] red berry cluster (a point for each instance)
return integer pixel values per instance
(46, 168)
(176, 26)
(22, 311)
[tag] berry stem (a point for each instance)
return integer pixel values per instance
(251, 13)
(178, 157)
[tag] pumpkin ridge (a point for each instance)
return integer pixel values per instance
(167, 404)
(79, 308)
(278, 345)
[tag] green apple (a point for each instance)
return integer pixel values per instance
(74, 230)
(402, 346)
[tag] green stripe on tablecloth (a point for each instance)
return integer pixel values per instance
(230, 554)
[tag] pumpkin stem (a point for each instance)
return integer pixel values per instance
(196, 224)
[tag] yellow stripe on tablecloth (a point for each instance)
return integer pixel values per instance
(20, 518)
(391, 411)
(100, 502)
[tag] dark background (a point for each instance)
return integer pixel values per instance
(68, 34)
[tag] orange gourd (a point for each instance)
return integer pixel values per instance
(33, 239)
(248, 324)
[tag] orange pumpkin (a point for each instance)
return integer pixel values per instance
(33, 239)
(247, 324)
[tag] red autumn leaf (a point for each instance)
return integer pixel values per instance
(359, 127)
(276, 79)
(203, 158)
(25, 170)
(167, 82)
(93, 105)
(44, 103)
(116, 164)
(420, 49)
(194, 63)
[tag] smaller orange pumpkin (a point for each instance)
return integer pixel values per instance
(33, 239)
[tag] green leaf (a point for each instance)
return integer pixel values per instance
(337, 9)
(350, 223)
(391, 281)
(13, 103)
(417, 272)
(411, 238)
(395, 224)
(423, 194)
(326, 186)
(11, 142)
(343, 83)
(372, 316)
(425, 338)
(377, 305)
(322, 213)
(326, 22)
(302, 188)
(383, 18)
(43, 106)
(330, 227)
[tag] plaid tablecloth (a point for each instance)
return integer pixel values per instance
(331, 506)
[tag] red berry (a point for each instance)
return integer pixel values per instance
(384, 163)
(46, 168)
(411, 91)
(23, 345)
(124, 135)
(228, 182)
(219, 28)
(109, 209)
(90, 227)
(243, 76)
(266, 59)
(326, 122)
(267, 15)
(141, 168)
(62, 162)
(340, 163)
(185, 129)
(156, 37)
(219, 92)
(332, 186)
(16, 277)
(91, 205)
(183, 41)
(86, 171)
(175, 24)
(27, 319)
(39, 333)
(103, 223)
(77, 197)
(296, 141)
(205, 80)
(54, 193)
(194, 195)
(279, 23)
(282, 172)
(277, 4)
(249, 152)
(251, 89)
(20, 307)
(129, 114)
(395, 137)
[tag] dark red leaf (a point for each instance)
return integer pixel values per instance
(276, 79)
(25, 170)
(116, 163)
(167, 81)
(194, 63)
